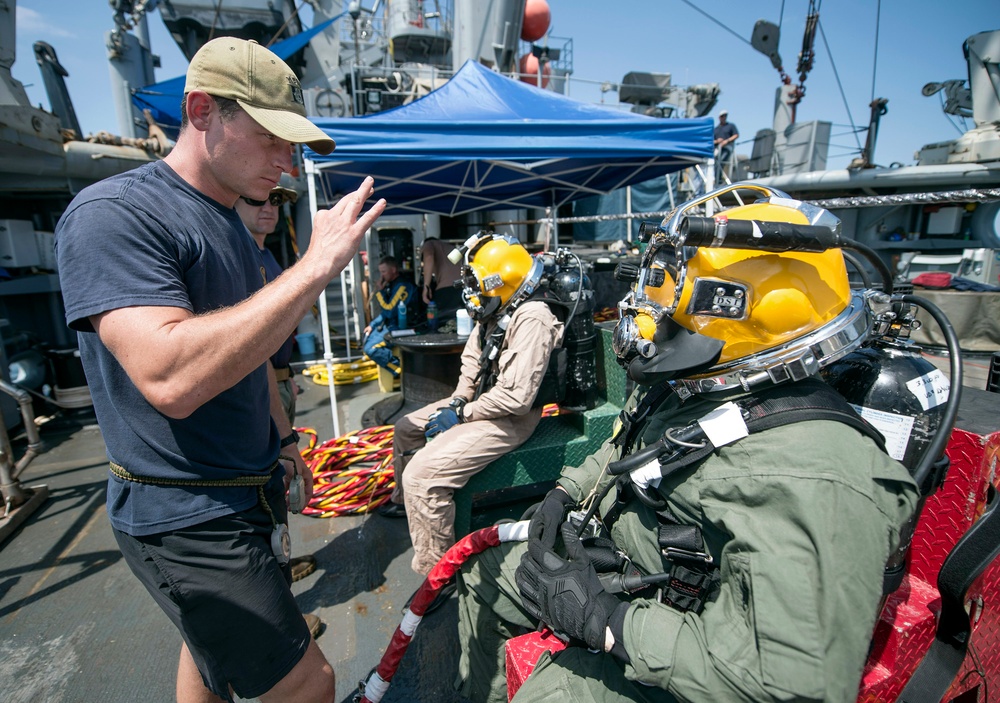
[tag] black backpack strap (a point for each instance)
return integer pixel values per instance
(631, 422)
(974, 552)
(809, 399)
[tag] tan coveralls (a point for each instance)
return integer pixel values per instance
(499, 420)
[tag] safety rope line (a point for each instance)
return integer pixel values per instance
(352, 474)
(344, 373)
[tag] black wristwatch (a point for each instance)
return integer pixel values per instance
(293, 438)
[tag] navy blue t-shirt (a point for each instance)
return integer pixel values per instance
(272, 269)
(725, 131)
(147, 238)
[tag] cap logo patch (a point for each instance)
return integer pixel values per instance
(296, 89)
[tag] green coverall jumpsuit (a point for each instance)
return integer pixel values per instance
(801, 520)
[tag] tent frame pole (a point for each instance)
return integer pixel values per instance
(310, 168)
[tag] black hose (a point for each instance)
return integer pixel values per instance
(866, 280)
(758, 235)
(639, 458)
(579, 290)
(874, 259)
(940, 441)
(776, 237)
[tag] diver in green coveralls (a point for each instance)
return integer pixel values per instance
(747, 563)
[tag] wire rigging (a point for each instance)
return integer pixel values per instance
(840, 86)
(878, 22)
(698, 9)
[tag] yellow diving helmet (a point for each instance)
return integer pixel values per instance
(498, 272)
(748, 295)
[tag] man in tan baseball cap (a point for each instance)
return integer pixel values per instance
(261, 83)
(176, 324)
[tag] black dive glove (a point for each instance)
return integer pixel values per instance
(548, 516)
(565, 593)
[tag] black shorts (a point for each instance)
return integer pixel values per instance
(220, 584)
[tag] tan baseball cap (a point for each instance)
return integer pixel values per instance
(261, 83)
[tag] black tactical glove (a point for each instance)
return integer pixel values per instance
(566, 594)
(547, 517)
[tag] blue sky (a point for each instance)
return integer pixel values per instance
(919, 41)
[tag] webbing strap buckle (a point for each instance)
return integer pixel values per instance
(679, 553)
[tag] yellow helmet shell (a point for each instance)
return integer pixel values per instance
(501, 265)
(785, 295)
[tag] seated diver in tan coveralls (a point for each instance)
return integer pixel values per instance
(492, 410)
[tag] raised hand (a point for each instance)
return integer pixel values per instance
(338, 231)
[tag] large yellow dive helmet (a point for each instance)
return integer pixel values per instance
(754, 292)
(497, 272)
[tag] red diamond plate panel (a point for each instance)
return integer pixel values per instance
(906, 627)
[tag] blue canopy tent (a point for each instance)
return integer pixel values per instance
(486, 141)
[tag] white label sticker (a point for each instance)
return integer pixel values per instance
(931, 389)
(647, 475)
(895, 428)
(724, 425)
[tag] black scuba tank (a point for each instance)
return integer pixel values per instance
(572, 287)
(905, 397)
(898, 391)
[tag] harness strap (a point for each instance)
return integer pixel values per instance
(486, 378)
(491, 342)
(809, 399)
(632, 421)
(693, 577)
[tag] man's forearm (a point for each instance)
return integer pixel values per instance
(179, 360)
(278, 413)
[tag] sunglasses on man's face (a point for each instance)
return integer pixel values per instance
(276, 199)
